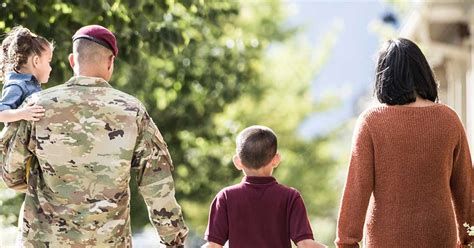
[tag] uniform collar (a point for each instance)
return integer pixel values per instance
(259, 180)
(88, 81)
(19, 76)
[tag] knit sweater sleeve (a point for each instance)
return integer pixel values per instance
(461, 183)
(358, 188)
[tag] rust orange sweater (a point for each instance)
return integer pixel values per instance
(409, 180)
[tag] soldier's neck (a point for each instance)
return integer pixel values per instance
(89, 73)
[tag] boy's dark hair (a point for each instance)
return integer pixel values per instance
(256, 146)
(19, 44)
(403, 73)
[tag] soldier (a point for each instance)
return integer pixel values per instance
(85, 145)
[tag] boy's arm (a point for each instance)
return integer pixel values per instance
(14, 167)
(211, 245)
(155, 183)
(300, 228)
(309, 243)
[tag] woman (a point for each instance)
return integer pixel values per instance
(410, 159)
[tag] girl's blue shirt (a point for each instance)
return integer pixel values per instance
(16, 88)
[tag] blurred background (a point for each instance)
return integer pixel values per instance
(207, 69)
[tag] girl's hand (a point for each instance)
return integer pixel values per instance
(31, 112)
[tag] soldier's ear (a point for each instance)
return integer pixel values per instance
(110, 62)
(71, 60)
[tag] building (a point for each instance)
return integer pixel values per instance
(445, 32)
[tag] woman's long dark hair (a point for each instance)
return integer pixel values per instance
(403, 73)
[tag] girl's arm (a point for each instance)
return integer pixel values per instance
(29, 112)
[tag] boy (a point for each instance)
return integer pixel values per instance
(258, 212)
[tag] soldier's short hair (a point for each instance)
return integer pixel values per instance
(256, 146)
(86, 51)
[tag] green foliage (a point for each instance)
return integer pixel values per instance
(186, 60)
(204, 71)
(9, 205)
(402, 7)
(385, 31)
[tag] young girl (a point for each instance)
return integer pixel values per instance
(24, 66)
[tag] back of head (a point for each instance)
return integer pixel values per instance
(94, 49)
(403, 73)
(19, 44)
(256, 146)
(89, 53)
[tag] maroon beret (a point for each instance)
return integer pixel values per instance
(99, 35)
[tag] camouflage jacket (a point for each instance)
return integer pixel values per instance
(85, 145)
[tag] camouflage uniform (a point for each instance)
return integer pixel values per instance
(78, 194)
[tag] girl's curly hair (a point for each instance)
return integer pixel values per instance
(19, 44)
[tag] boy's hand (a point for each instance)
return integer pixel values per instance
(211, 245)
(309, 243)
(31, 112)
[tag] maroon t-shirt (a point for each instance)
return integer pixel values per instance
(258, 212)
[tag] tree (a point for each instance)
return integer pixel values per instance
(186, 60)
(204, 71)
